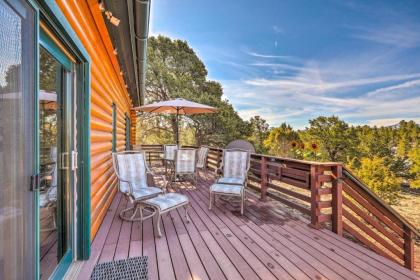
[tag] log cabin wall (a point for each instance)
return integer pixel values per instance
(107, 88)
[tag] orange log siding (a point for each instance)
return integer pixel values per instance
(107, 87)
(133, 117)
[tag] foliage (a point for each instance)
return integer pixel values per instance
(414, 158)
(259, 132)
(376, 174)
(175, 71)
(279, 140)
(333, 135)
(47, 71)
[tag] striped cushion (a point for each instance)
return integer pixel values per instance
(226, 189)
(235, 164)
(233, 181)
(169, 151)
(202, 157)
(166, 201)
(185, 161)
(139, 194)
(132, 168)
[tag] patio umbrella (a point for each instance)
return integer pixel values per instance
(177, 106)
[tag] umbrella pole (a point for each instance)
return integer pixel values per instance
(177, 127)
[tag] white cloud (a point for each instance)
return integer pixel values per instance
(398, 87)
(315, 90)
(388, 122)
(298, 83)
(260, 55)
(399, 35)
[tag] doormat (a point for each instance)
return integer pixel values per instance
(132, 268)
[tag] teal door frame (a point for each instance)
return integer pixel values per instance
(49, 13)
(65, 145)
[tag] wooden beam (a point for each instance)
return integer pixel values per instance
(408, 248)
(315, 197)
(263, 175)
(337, 200)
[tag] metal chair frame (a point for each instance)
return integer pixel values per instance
(204, 167)
(219, 171)
(175, 173)
(137, 204)
(167, 161)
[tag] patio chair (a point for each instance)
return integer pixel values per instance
(202, 158)
(132, 172)
(185, 164)
(169, 155)
(234, 168)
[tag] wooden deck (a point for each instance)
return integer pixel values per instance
(265, 243)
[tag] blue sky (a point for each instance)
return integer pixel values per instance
(290, 61)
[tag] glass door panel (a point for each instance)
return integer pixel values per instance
(55, 157)
(17, 140)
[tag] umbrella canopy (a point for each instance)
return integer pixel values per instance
(177, 106)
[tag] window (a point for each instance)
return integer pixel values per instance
(127, 131)
(114, 127)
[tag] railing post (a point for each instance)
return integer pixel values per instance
(408, 248)
(264, 178)
(337, 199)
(218, 158)
(315, 196)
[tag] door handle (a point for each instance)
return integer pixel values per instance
(66, 164)
(74, 158)
(63, 160)
(35, 182)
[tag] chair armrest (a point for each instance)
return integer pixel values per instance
(130, 186)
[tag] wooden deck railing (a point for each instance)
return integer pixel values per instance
(371, 221)
(332, 196)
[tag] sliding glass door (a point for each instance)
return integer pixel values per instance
(57, 160)
(18, 140)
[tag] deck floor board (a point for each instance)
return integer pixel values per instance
(267, 242)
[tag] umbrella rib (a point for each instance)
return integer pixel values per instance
(157, 108)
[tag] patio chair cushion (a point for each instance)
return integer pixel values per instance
(235, 164)
(232, 181)
(132, 168)
(169, 152)
(202, 157)
(168, 200)
(226, 189)
(141, 193)
(185, 161)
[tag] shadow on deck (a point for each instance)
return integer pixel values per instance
(265, 243)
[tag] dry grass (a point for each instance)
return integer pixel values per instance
(409, 207)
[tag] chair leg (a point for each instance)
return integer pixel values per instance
(158, 218)
(187, 217)
(211, 200)
(136, 208)
(242, 203)
(141, 212)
